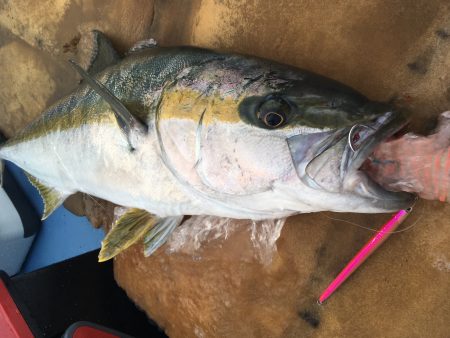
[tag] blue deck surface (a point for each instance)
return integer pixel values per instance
(62, 235)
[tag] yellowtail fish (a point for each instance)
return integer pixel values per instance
(181, 131)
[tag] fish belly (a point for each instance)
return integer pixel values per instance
(96, 159)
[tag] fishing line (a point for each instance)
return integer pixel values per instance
(376, 230)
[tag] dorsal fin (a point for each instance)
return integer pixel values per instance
(52, 198)
(102, 53)
(127, 122)
(143, 44)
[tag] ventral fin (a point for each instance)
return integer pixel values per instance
(102, 53)
(52, 198)
(159, 234)
(127, 122)
(128, 229)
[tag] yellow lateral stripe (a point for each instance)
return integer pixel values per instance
(78, 117)
(180, 104)
(190, 104)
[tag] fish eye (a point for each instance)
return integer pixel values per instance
(273, 113)
(273, 119)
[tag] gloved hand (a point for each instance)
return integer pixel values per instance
(415, 163)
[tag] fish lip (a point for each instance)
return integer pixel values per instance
(357, 181)
(353, 180)
(385, 126)
(379, 198)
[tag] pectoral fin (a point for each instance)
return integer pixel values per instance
(52, 198)
(128, 229)
(159, 234)
(127, 122)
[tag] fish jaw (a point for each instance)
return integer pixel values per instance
(327, 161)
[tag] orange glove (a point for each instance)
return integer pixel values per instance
(416, 164)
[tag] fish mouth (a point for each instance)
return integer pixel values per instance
(331, 161)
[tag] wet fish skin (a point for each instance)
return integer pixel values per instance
(207, 149)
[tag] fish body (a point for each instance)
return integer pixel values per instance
(225, 135)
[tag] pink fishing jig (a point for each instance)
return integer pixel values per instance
(365, 252)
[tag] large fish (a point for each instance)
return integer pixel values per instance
(169, 132)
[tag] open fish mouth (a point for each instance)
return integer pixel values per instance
(331, 160)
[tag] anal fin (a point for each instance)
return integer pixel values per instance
(129, 228)
(52, 197)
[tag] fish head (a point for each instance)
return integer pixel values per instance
(330, 131)
(281, 138)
